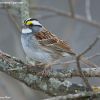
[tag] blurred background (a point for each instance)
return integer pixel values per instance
(56, 16)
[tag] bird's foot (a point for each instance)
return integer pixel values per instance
(45, 72)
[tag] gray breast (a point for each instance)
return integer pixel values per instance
(32, 49)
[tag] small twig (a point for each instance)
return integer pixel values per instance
(46, 16)
(93, 56)
(13, 20)
(84, 61)
(87, 62)
(71, 7)
(86, 58)
(82, 74)
(87, 10)
(90, 47)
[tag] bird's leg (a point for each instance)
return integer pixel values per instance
(47, 68)
(45, 71)
(39, 64)
(30, 61)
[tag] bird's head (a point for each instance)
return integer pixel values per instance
(33, 25)
(30, 22)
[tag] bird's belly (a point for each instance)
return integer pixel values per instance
(38, 55)
(34, 52)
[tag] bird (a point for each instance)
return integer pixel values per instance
(43, 46)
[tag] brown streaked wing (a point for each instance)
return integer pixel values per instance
(51, 41)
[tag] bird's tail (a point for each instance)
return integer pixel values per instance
(87, 62)
(83, 60)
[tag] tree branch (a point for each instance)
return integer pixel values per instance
(56, 82)
(28, 75)
(88, 72)
(77, 96)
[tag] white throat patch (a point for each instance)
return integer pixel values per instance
(35, 22)
(26, 30)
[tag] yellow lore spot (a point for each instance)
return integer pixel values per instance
(28, 23)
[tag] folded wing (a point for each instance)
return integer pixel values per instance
(52, 42)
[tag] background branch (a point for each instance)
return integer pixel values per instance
(71, 7)
(67, 14)
(57, 12)
(24, 10)
(87, 10)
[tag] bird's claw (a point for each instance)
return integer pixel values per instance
(44, 73)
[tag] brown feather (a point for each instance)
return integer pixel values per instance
(51, 41)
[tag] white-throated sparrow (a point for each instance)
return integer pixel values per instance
(41, 45)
